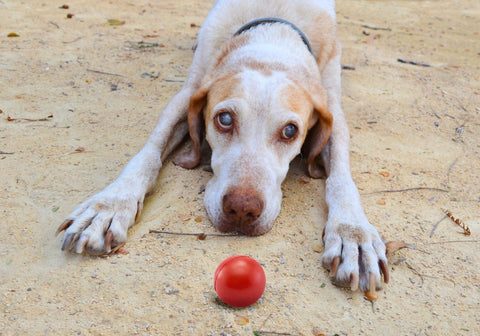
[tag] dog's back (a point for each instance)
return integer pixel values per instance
(316, 18)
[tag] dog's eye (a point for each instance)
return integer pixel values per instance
(289, 131)
(225, 120)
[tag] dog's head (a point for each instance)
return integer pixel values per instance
(256, 120)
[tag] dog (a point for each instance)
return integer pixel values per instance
(264, 86)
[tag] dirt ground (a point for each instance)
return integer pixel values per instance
(79, 97)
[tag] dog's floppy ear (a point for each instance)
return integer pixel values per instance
(319, 134)
(190, 158)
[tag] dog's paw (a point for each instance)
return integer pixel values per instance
(102, 221)
(355, 255)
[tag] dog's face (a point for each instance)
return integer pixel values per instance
(255, 122)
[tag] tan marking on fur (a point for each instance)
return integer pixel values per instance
(265, 68)
(322, 36)
(224, 87)
(299, 101)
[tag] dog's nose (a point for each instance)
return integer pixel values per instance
(242, 206)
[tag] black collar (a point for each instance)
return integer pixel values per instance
(257, 22)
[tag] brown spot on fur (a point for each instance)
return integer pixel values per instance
(265, 68)
(351, 233)
(298, 101)
(311, 105)
(191, 158)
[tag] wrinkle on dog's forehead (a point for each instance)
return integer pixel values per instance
(261, 90)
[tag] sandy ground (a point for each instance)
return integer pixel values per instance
(415, 150)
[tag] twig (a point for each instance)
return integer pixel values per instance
(377, 28)
(451, 166)
(75, 40)
(264, 332)
(405, 190)
(6, 153)
(104, 73)
(174, 80)
(436, 224)
(265, 321)
(199, 235)
(143, 45)
(54, 24)
(413, 63)
(455, 241)
(348, 67)
(28, 119)
(414, 271)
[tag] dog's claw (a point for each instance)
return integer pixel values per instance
(384, 268)
(354, 279)
(372, 292)
(139, 210)
(108, 241)
(334, 266)
(65, 225)
(68, 241)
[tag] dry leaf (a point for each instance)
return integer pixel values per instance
(370, 38)
(120, 249)
(385, 174)
(317, 332)
(459, 222)
(13, 35)
(317, 248)
(381, 202)
(241, 320)
(80, 150)
(371, 296)
(198, 219)
(185, 217)
(114, 22)
(394, 246)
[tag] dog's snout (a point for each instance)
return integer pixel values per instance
(242, 206)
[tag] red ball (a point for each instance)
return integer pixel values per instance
(239, 281)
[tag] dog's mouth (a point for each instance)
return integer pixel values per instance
(256, 228)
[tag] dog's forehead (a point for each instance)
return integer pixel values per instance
(261, 89)
(276, 92)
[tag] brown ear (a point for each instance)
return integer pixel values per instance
(319, 134)
(190, 158)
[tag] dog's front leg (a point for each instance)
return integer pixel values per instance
(354, 251)
(103, 220)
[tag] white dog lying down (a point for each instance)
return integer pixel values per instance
(264, 84)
